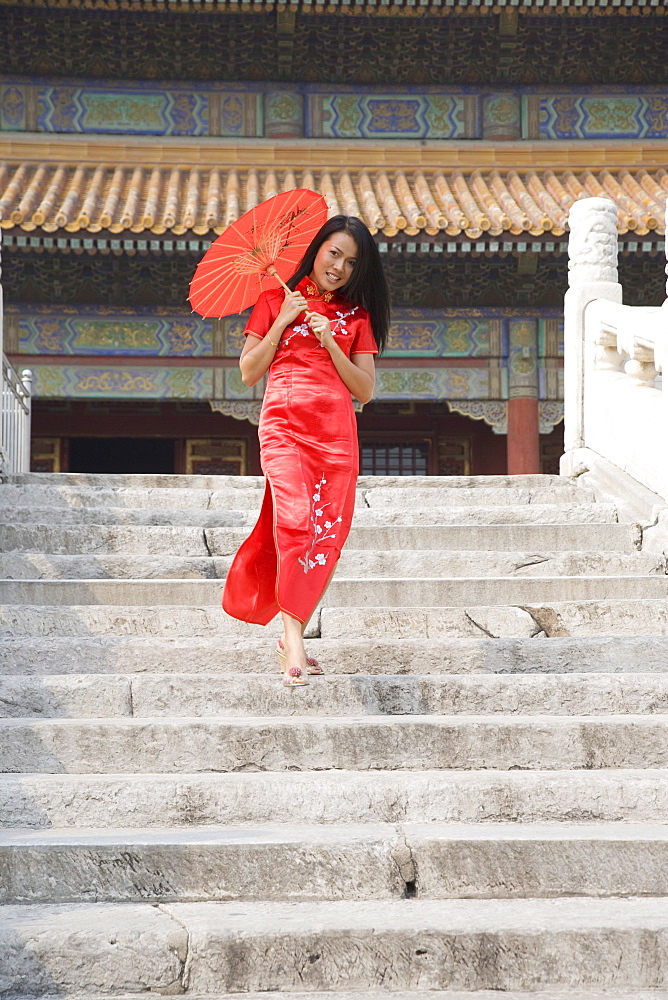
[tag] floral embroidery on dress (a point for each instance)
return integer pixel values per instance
(339, 326)
(303, 329)
(321, 532)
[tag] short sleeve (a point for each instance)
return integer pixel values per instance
(261, 319)
(364, 342)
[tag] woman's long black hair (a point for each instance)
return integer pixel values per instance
(367, 285)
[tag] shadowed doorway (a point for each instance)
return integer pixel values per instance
(121, 455)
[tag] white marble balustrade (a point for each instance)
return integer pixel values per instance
(615, 406)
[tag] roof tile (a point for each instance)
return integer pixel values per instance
(200, 199)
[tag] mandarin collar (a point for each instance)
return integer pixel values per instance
(309, 290)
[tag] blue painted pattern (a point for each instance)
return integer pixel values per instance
(112, 330)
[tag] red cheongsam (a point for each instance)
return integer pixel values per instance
(310, 458)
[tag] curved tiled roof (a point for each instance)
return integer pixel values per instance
(203, 199)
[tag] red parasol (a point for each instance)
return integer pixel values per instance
(266, 243)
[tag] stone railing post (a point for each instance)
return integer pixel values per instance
(592, 274)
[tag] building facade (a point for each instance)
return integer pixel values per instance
(132, 132)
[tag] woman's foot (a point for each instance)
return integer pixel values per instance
(294, 666)
(312, 665)
(293, 677)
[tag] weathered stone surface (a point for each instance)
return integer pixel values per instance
(613, 617)
(576, 618)
(40, 518)
(485, 861)
(128, 480)
(99, 539)
(576, 694)
(205, 695)
(466, 482)
(486, 537)
(94, 949)
(356, 593)
(73, 696)
(39, 801)
(226, 654)
(410, 563)
(120, 620)
(160, 727)
(412, 496)
(372, 861)
(461, 944)
(441, 995)
(153, 498)
(162, 481)
(447, 563)
(40, 566)
(569, 513)
(280, 862)
(370, 743)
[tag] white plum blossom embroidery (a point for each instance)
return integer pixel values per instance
(339, 326)
(303, 328)
(321, 532)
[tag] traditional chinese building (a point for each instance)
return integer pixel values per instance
(135, 131)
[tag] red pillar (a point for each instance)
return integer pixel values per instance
(523, 436)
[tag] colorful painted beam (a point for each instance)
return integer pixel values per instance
(290, 111)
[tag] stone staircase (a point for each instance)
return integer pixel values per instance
(473, 800)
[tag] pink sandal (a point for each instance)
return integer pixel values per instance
(293, 678)
(314, 668)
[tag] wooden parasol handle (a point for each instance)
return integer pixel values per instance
(274, 274)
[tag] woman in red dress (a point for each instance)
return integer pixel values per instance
(318, 345)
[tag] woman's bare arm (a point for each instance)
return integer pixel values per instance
(358, 373)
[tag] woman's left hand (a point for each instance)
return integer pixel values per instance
(322, 329)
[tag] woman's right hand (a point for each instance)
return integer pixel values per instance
(293, 305)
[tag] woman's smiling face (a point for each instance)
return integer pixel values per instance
(334, 262)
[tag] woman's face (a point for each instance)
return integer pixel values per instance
(334, 262)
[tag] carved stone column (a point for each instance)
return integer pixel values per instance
(592, 274)
(523, 417)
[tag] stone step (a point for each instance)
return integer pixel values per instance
(336, 945)
(77, 497)
(415, 496)
(623, 618)
(67, 529)
(549, 618)
(415, 742)
(104, 539)
(415, 995)
(353, 563)
(162, 481)
(302, 863)
(73, 518)
(97, 696)
(80, 537)
(355, 594)
(487, 537)
(297, 863)
(566, 513)
(89, 801)
(77, 654)
(240, 498)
